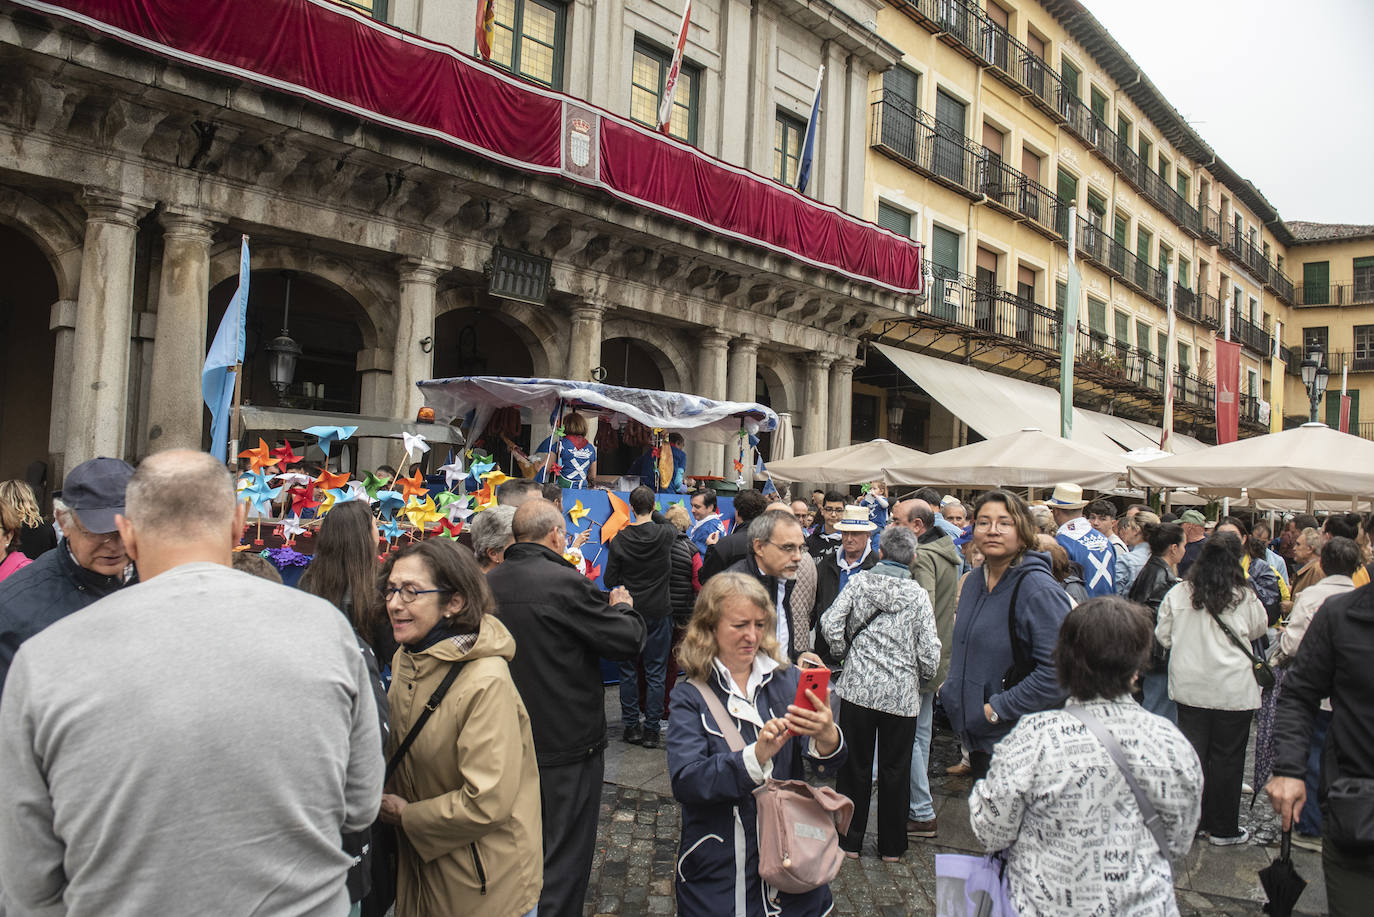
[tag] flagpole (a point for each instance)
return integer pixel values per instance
(1068, 331)
(1170, 365)
(808, 147)
(665, 105)
(234, 418)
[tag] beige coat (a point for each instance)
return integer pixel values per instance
(471, 838)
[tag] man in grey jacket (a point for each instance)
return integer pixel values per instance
(935, 566)
(194, 744)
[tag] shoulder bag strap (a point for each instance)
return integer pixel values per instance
(1018, 655)
(723, 719)
(430, 707)
(850, 638)
(1147, 809)
(1244, 647)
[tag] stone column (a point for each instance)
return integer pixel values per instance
(413, 361)
(712, 458)
(374, 371)
(815, 412)
(841, 402)
(175, 406)
(100, 347)
(62, 323)
(741, 385)
(584, 343)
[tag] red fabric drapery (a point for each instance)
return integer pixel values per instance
(342, 59)
(1228, 392)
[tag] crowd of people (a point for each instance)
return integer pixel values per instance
(424, 729)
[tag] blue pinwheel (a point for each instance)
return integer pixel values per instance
(330, 435)
(389, 502)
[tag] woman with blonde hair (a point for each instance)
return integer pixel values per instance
(13, 518)
(731, 645)
(31, 535)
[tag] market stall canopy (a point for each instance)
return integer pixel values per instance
(475, 398)
(856, 464)
(1309, 462)
(1026, 458)
(994, 405)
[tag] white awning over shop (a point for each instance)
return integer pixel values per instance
(995, 405)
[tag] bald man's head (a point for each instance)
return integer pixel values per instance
(534, 519)
(180, 492)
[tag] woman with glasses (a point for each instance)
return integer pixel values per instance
(465, 795)
(992, 681)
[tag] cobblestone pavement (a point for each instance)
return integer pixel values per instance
(633, 866)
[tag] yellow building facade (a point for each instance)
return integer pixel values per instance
(1001, 115)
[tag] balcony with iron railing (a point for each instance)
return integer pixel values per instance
(960, 300)
(1335, 294)
(1211, 309)
(1211, 224)
(1170, 202)
(1101, 358)
(1250, 335)
(913, 137)
(1186, 303)
(1015, 64)
(1284, 288)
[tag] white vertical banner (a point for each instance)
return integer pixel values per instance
(1170, 364)
(665, 105)
(1068, 330)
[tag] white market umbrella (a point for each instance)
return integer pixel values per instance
(856, 464)
(1026, 458)
(1311, 462)
(784, 444)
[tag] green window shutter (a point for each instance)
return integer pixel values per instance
(1068, 187)
(944, 251)
(1145, 149)
(899, 221)
(1316, 282)
(1184, 356)
(1363, 263)
(1123, 129)
(1142, 337)
(1097, 318)
(1123, 328)
(1182, 184)
(1120, 229)
(1069, 74)
(1185, 270)
(902, 83)
(1099, 104)
(1162, 337)
(1142, 245)
(1061, 296)
(1333, 408)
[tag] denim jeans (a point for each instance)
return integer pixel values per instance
(1310, 821)
(922, 807)
(1155, 687)
(657, 643)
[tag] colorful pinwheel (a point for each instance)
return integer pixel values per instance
(330, 435)
(259, 458)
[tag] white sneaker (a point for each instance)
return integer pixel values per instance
(1241, 838)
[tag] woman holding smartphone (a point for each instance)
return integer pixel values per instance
(731, 644)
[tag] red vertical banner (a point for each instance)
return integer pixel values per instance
(1345, 413)
(1228, 392)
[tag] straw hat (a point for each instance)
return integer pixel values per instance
(1066, 496)
(855, 520)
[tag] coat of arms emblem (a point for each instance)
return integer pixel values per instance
(580, 142)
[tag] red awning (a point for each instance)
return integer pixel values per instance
(344, 59)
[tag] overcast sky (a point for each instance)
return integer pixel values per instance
(1283, 91)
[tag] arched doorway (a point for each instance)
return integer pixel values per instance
(478, 342)
(323, 320)
(26, 375)
(629, 363)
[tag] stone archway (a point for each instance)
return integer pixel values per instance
(27, 349)
(639, 350)
(494, 337)
(58, 236)
(330, 326)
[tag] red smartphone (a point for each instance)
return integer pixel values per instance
(816, 680)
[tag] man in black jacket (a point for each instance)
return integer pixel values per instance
(562, 626)
(833, 568)
(88, 565)
(748, 505)
(640, 558)
(777, 549)
(1333, 661)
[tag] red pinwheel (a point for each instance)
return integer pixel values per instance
(593, 572)
(449, 529)
(285, 455)
(302, 498)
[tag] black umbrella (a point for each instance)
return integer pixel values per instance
(1281, 881)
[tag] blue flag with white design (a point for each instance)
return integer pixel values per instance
(226, 352)
(808, 150)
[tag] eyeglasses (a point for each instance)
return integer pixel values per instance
(74, 527)
(408, 593)
(1000, 525)
(789, 548)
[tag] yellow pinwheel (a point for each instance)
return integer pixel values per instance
(578, 512)
(421, 514)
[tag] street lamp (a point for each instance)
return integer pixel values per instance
(895, 412)
(1314, 376)
(283, 351)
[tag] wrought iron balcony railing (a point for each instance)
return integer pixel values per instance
(1335, 294)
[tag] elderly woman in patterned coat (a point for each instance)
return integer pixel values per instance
(883, 626)
(1059, 806)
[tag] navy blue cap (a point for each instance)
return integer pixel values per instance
(94, 490)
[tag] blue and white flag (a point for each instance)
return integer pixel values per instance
(808, 150)
(758, 466)
(226, 352)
